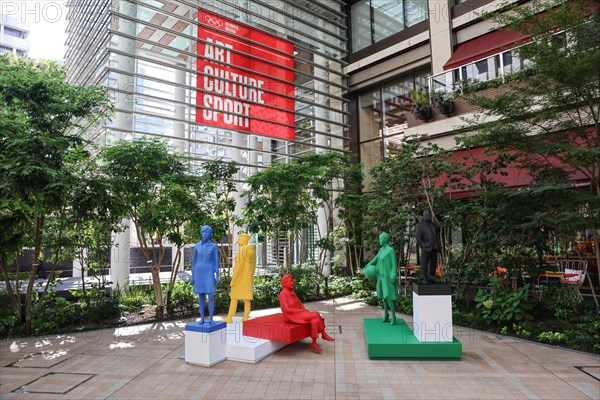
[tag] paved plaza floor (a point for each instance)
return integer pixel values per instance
(141, 362)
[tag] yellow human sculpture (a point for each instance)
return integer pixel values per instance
(243, 277)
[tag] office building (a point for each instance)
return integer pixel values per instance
(14, 35)
(250, 82)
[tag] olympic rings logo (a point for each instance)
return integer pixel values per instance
(216, 22)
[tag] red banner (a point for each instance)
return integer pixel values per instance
(253, 99)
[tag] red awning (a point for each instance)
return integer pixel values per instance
(511, 176)
(483, 46)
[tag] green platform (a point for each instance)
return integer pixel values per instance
(397, 342)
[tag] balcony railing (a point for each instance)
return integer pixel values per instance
(484, 70)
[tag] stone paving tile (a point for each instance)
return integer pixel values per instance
(142, 362)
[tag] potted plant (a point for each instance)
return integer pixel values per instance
(421, 108)
(444, 107)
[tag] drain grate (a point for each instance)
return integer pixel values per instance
(333, 329)
(54, 383)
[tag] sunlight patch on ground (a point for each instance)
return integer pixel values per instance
(351, 306)
(51, 355)
(133, 330)
(121, 345)
(66, 339)
(42, 343)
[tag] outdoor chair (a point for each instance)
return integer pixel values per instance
(576, 271)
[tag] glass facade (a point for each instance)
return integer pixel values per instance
(383, 113)
(375, 20)
(148, 54)
(173, 68)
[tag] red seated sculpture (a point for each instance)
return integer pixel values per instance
(294, 311)
(273, 327)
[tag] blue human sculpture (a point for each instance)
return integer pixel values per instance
(205, 272)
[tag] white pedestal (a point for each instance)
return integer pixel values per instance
(205, 348)
(432, 316)
(245, 348)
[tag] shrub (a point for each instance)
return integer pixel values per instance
(500, 306)
(221, 296)
(338, 286)
(266, 291)
(552, 337)
(134, 297)
(562, 302)
(183, 298)
(585, 334)
(307, 282)
(55, 315)
(362, 288)
(404, 304)
(8, 319)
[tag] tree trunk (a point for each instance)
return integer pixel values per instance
(34, 268)
(595, 237)
(154, 269)
(174, 270)
(14, 301)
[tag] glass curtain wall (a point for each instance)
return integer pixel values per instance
(375, 20)
(383, 118)
(147, 53)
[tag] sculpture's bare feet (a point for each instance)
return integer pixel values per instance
(386, 318)
(315, 347)
(325, 336)
(201, 320)
(393, 322)
(229, 320)
(211, 322)
(245, 319)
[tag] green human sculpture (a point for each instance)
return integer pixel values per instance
(383, 268)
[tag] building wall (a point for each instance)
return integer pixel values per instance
(382, 78)
(14, 35)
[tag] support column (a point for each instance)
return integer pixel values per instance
(322, 140)
(440, 33)
(119, 259)
(124, 122)
(78, 265)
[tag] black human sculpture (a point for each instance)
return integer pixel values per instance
(427, 239)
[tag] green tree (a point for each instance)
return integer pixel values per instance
(41, 118)
(351, 207)
(160, 195)
(83, 228)
(415, 178)
(219, 188)
(283, 199)
(547, 116)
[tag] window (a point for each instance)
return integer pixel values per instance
(15, 32)
(4, 49)
(388, 18)
(360, 15)
(383, 115)
(374, 20)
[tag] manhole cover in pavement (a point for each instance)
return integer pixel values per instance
(54, 383)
